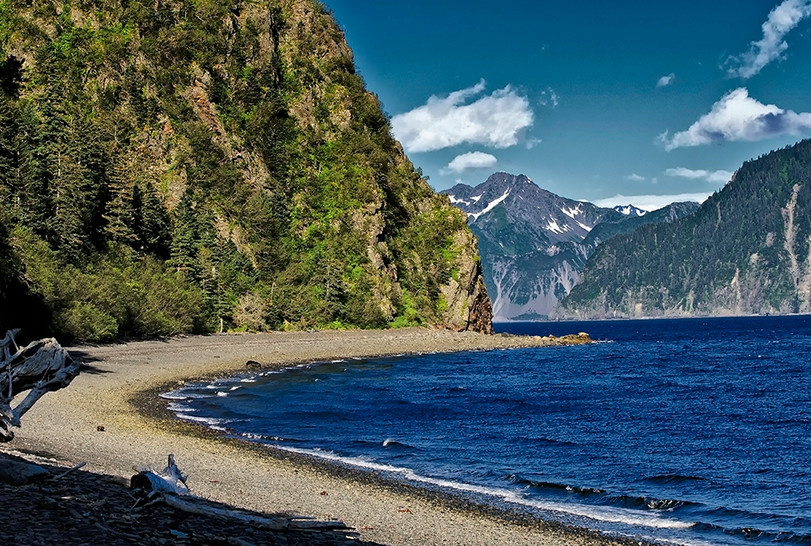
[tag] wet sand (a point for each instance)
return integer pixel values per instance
(111, 417)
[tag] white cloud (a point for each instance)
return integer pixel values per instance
(470, 160)
(532, 142)
(633, 177)
(781, 20)
(737, 116)
(698, 174)
(651, 202)
(549, 97)
(494, 120)
(664, 81)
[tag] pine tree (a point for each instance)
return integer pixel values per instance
(9, 161)
(185, 238)
(120, 210)
(152, 222)
(34, 200)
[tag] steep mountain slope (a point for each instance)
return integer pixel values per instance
(533, 243)
(186, 165)
(746, 250)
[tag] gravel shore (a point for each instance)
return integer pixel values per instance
(111, 417)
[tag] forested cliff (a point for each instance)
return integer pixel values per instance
(173, 166)
(747, 250)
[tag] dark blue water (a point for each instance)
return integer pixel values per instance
(693, 431)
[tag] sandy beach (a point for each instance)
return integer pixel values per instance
(111, 417)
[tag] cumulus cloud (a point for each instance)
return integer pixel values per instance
(633, 177)
(735, 117)
(781, 20)
(470, 160)
(651, 202)
(495, 120)
(664, 81)
(700, 174)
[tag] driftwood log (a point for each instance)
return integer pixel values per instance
(40, 367)
(169, 487)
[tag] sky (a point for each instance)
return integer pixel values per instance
(611, 102)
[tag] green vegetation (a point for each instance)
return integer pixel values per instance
(746, 250)
(197, 165)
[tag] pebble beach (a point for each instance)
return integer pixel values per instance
(113, 418)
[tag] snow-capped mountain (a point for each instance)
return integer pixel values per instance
(535, 215)
(630, 210)
(533, 243)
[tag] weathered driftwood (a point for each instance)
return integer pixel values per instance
(73, 468)
(169, 487)
(169, 480)
(39, 367)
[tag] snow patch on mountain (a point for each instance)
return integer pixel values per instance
(490, 206)
(469, 202)
(552, 225)
(572, 212)
(630, 210)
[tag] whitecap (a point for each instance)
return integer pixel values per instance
(598, 513)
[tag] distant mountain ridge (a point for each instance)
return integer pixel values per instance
(533, 242)
(747, 250)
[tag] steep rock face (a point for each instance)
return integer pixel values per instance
(232, 144)
(747, 250)
(534, 243)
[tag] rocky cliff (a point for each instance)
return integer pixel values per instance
(172, 166)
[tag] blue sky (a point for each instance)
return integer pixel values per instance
(611, 102)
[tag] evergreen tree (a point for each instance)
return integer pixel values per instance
(152, 222)
(121, 208)
(9, 160)
(185, 238)
(34, 199)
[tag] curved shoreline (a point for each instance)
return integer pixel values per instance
(119, 392)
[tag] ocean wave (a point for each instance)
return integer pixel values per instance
(211, 422)
(554, 486)
(672, 478)
(184, 395)
(177, 407)
(605, 498)
(649, 503)
(547, 441)
(390, 443)
(763, 535)
(607, 514)
(255, 436)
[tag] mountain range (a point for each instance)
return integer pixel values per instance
(746, 250)
(534, 243)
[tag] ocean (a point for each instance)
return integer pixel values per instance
(682, 431)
